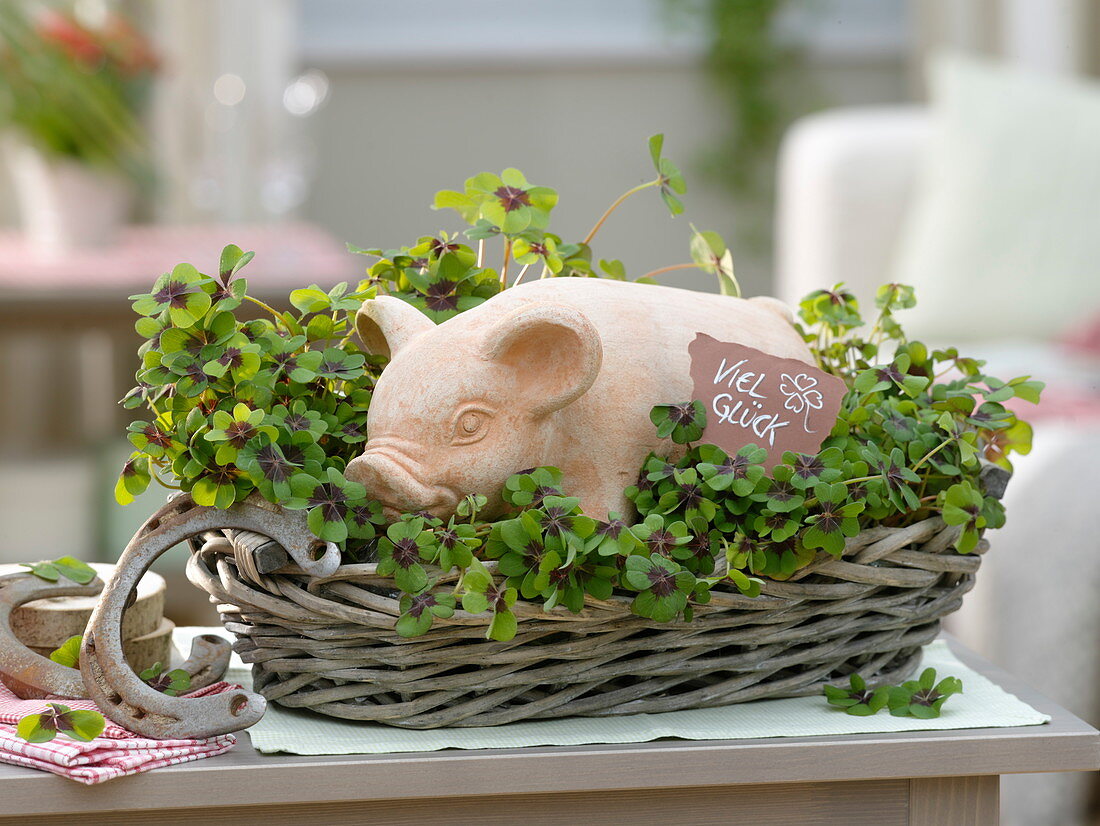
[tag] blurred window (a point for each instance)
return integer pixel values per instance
(433, 32)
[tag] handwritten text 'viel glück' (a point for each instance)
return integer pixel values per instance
(753, 397)
(746, 409)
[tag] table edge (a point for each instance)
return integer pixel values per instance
(1064, 744)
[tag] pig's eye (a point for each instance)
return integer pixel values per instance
(471, 425)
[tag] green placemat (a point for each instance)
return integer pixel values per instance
(982, 705)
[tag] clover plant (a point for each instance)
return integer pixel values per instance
(246, 399)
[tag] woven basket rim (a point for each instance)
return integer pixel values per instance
(820, 574)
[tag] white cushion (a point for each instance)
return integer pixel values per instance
(845, 183)
(1003, 240)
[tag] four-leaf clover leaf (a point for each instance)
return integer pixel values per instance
(663, 586)
(858, 700)
(60, 719)
(923, 697)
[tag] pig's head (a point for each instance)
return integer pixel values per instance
(462, 406)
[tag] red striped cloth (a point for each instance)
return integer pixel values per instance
(115, 753)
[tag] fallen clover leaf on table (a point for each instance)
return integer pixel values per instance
(857, 700)
(923, 697)
(79, 572)
(76, 723)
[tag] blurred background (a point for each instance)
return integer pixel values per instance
(951, 145)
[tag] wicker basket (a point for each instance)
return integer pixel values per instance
(329, 645)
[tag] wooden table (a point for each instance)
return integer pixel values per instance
(929, 778)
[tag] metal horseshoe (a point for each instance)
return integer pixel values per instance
(120, 693)
(28, 674)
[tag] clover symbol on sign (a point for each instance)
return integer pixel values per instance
(802, 397)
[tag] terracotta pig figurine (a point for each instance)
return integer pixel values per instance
(560, 372)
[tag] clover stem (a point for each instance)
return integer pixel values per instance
(934, 451)
(267, 307)
(153, 475)
(618, 201)
(651, 273)
(951, 367)
(850, 359)
(862, 479)
(481, 252)
(520, 276)
(876, 330)
(822, 333)
(507, 260)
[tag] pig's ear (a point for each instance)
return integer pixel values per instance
(554, 351)
(386, 324)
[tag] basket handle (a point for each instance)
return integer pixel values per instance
(114, 687)
(28, 674)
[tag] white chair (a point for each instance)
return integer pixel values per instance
(846, 180)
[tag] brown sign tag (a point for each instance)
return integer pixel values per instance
(755, 398)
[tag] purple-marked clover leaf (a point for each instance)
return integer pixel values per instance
(401, 550)
(420, 609)
(857, 699)
(231, 261)
(737, 474)
(329, 500)
(173, 683)
(923, 697)
(57, 718)
(662, 585)
(688, 496)
(268, 467)
(339, 365)
(682, 423)
(659, 536)
(561, 517)
(133, 479)
(528, 489)
(533, 247)
(613, 538)
(457, 542)
(834, 521)
(297, 418)
(232, 431)
(179, 293)
(237, 357)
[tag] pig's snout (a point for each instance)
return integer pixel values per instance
(394, 480)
